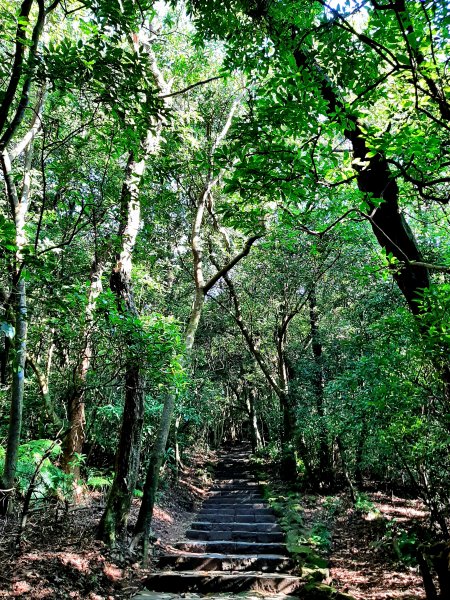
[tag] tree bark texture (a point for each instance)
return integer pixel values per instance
(43, 380)
(254, 429)
(18, 381)
(145, 516)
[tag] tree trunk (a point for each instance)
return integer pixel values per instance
(388, 223)
(18, 381)
(42, 378)
(255, 436)
(288, 432)
(325, 473)
(360, 451)
(144, 521)
(19, 209)
(348, 479)
(74, 440)
(114, 519)
(176, 431)
(142, 528)
(4, 358)
(289, 426)
(376, 182)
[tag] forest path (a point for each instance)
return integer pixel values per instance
(233, 547)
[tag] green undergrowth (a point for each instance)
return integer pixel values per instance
(38, 459)
(308, 543)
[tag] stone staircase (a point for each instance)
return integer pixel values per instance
(234, 546)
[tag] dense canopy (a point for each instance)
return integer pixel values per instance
(224, 221)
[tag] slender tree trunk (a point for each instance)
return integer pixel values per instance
(113, 522)
(143, 524)
(288, 463)
(289, 422)
(178, 463)
(74, 440)
(254, 430)
(360, 451)
(4, 358)
(325, 473)
(43, 377)
(142, 528)
(22, 72)
(345, 470)
(18, 381)
(19, 209)
(114, 519)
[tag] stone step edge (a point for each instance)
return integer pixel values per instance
(224, 575)
(237, 545)
(226, 556)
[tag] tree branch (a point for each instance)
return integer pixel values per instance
(19, 56)
(24, 97)
(190, 87)
(233, 262)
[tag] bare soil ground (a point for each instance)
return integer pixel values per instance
(363, 560)
(59, 558)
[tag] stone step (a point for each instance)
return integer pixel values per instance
(238, 484)
(271, 563)
(236, 509)
(225, 476)
(207, 582)
(234, 481)
(229, 546)
(248, 499)
(251, 595)
(234, 494)
(234, 535)
(220, 516)
(234, 498)
(235, 491)
(235, 546)
(225, 526)
(234, 472)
